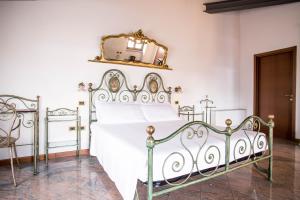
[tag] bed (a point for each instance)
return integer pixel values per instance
(124, 122)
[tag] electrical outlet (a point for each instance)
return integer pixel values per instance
(81, 103)
(73, 128)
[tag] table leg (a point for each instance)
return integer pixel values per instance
(35, 145)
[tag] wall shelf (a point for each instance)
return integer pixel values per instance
(130, 63)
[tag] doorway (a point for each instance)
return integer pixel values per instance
(275, 89)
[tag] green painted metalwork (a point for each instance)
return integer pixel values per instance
(271, 126)
(200, 130)
(90, 112)
(189, 111)
(150, 145)
(23, 107)
(114, 87)
(207, 108)
(171, 189)
(62, 115)
(46, 137)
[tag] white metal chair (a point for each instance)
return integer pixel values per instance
(9, 125)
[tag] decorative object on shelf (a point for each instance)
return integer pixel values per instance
(81, 86)
(207, 108)
(133, 49)
(28, 111)
(62, 115)
(178, 89)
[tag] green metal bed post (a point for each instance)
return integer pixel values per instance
(90, 111)
(46, 137)
(150, 145)
(271, 126)
(228, 123)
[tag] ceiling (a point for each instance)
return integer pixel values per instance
(218, 6)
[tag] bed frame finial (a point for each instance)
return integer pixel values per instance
(228, 122)
(150, 140)
(271, 122)
(150, 130)
(271, 117)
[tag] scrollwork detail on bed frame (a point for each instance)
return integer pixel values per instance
(247, 146)
(247, 150)
(114, 87)
(198, 133)
(153, 90)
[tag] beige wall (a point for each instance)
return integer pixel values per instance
(45, 45)
(263, 30)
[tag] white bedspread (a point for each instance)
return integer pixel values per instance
(122, 152)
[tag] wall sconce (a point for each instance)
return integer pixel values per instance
(178, 89)
(81, 87)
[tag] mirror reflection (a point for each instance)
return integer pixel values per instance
(133, 49)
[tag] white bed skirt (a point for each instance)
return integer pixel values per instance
(122, 152)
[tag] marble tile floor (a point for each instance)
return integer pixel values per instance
(69, 178)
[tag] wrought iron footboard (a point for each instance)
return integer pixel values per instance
(246, 147)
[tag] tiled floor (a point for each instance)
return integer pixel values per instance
(73, 179)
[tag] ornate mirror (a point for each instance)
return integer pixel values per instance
(133, 49)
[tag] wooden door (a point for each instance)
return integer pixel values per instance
(275, 89)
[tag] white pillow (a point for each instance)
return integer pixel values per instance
(159, 112)
(118, 113)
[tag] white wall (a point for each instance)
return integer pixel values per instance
(45, 45)
(263, 30)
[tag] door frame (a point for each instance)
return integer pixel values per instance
(257, 58)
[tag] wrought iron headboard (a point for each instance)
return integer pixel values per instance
(114, 87)
(153, 90)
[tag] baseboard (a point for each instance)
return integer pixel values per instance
(29, 159)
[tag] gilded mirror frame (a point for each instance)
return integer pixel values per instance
(136, 35)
